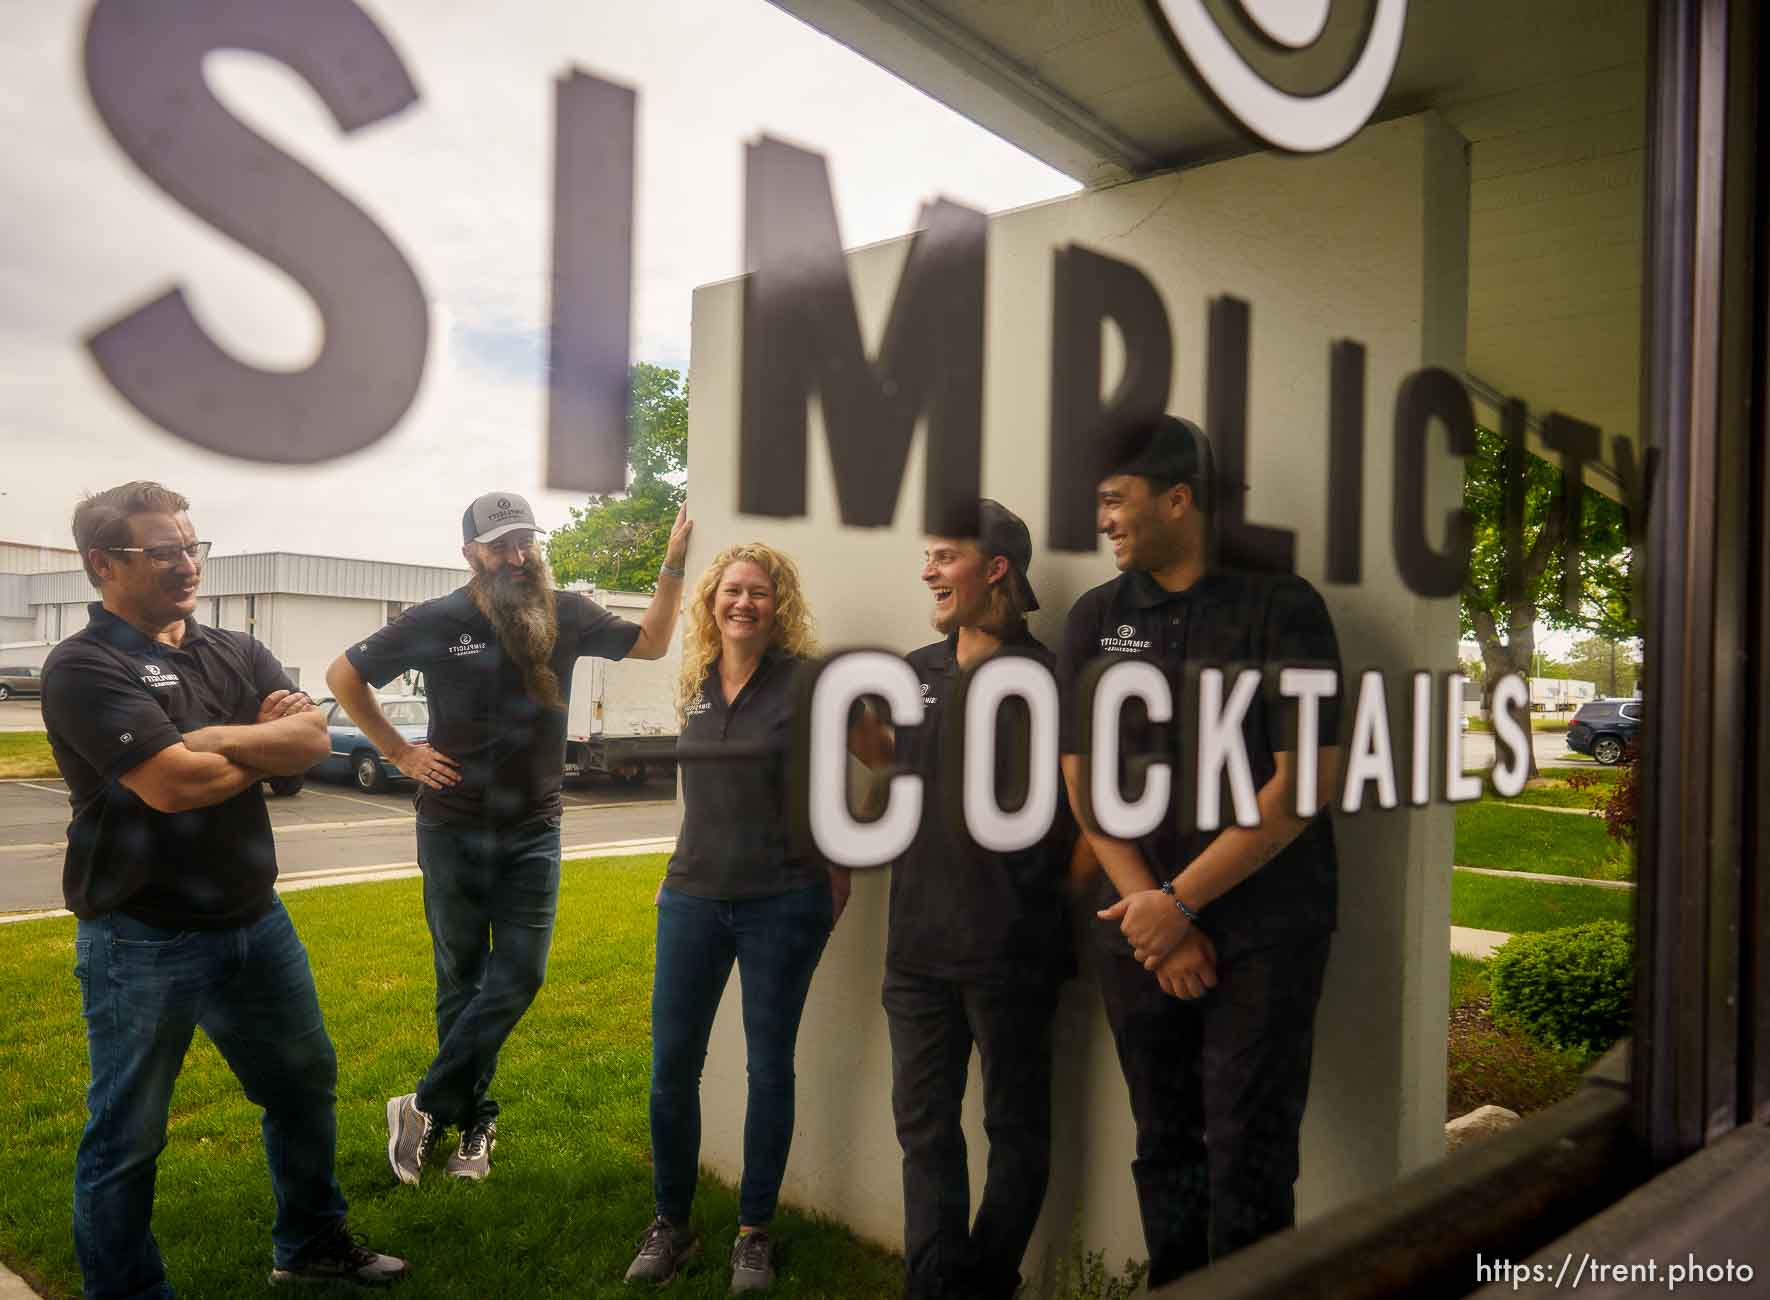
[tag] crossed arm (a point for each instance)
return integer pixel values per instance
(213, 764)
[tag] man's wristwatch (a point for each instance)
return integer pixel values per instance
(1167, 888)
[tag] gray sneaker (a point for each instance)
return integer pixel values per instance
(473, 1156)
(663, 1250)
(341, 1257)
(410, 1136)
(752, 1262)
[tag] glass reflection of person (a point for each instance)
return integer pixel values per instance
(498, 656)
(164, 730)
(735, 892)
(1210, 945)
(979, 944)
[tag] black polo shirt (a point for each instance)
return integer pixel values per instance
(510, 748)
(112, 699)
(963, 913)
(1223, 619)
(736, 839)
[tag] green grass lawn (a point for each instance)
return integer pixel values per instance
(1551, 788)
(1468, 979)
(26, 754)
(571, 1187)
(1524, 906)
(1493, 833)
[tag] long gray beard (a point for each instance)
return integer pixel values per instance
(527, 623)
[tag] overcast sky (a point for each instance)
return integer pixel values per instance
(462, 181)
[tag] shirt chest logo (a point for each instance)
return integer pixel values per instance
(699, 706)
(1126, 641)
(153, 676)
(927, 697)
(466, 645)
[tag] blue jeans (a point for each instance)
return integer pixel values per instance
(144, 991)
(490, 894)
(776, 943)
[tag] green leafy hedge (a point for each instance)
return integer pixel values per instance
(1566, 988)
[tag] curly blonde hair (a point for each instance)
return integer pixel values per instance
(793, 629)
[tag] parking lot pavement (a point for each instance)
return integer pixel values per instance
(1550, 746)
(324, 828)
(20, 715)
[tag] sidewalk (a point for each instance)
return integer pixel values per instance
(1468, 942)
(12, 1286)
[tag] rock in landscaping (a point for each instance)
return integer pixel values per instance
(1483, 1121)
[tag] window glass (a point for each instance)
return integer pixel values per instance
(1284, 391)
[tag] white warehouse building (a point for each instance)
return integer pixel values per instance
(305, 608)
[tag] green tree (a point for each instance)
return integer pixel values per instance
(618, 542)
(1612, 666)
(1505, 629)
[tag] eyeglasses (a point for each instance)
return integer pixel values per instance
(167, 556)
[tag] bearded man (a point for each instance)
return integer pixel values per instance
(497, 657)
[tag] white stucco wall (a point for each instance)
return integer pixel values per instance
(1369, 243)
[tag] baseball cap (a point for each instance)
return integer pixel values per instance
(1167, 449)
(494, 514)
(1002, 532)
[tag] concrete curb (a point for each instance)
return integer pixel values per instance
(14, 1287)
(299, 880)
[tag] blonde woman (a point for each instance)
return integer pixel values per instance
(734, 892)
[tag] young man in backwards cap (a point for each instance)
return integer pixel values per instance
(497, 657)
(1210, 944)
(979, 943)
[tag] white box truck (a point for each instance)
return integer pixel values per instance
(621, 718)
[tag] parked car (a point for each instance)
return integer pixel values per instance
(1604, 728)
(354, 757)
(20, 682)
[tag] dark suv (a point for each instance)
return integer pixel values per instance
(1604, 728)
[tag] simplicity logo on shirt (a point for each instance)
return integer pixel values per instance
(154, 675)
(1126, 642)
(467, 645)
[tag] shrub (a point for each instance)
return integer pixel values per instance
(1621, 807)
(1566, 988)
(1082, 1274)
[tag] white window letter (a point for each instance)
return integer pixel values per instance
(1221, 746)
(1127, 680)
(990, 826)
(839, 837)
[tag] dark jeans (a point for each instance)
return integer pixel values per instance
(144, 991)
(1217, 1090)
(776, 943)
(490, 894)
(933, 1024)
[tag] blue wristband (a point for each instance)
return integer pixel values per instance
(1168, 889)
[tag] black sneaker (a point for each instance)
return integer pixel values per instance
(663, 1250)
(752, 1262)
(473, 1157)
(340, 1256)
(410, 1136)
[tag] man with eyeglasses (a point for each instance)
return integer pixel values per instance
(163, 731)
(497, 657)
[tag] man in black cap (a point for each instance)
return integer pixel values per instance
(497, 657)
(979, 940)
(1211, 944)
